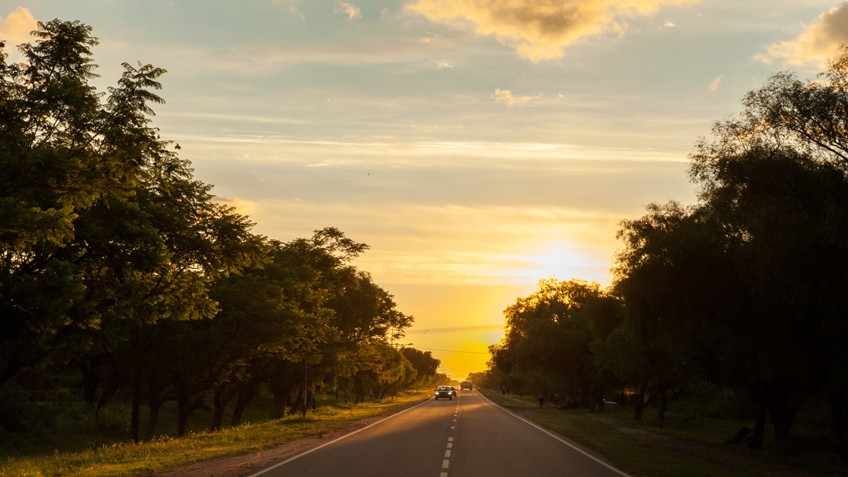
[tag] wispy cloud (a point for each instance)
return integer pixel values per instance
(292, 7)
(714, 84)
(541, 30)
(506, 97)
(16, 27)
(352, 11)
(818, 42)
(242, 206)
(451, 244)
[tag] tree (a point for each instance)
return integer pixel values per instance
(272, 317)
(785, 208)
(675, 278)
(775, 179)
(50, 167)
(127, 237)
(549, 339)
(424, 364)
(366, 311)
(117, 262)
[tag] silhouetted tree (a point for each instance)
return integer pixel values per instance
(549, 339)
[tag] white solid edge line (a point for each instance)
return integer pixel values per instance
(298, 456)
(555, 436)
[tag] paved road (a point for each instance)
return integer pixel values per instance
(466, 436)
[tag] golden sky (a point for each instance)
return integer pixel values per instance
(477, 146)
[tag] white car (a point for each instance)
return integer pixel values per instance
(444, 392)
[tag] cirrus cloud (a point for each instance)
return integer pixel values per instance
(714, 84)
(817, 44)
(540, 30)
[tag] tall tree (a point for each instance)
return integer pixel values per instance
(104, 230)
(675, 277)
(549, 337)
(52, 165)
(775, 177)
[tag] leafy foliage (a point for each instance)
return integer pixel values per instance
(118, 265)
(549, 340)
(744, 290)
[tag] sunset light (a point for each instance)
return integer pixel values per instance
(563, 261)
(423, 237)
(476, 148)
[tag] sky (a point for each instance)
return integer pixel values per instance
(477, 146)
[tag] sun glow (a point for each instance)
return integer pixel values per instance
(459, 321)
(561, 260)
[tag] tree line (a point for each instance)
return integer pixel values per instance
(122, 277)
(744, 290)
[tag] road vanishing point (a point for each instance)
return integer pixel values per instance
(466, 436)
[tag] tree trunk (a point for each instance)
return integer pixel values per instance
(756, 441)
(661, 410)
(223, 395)
(838, 397)
(152, 419)
(90, 380)
(298, 401)
(105, 397)
(183, 412)
(783, 411)
(185, 407)
(245, 393)
(282, 399)
(639, 405)
(135, 386)
(599, 398)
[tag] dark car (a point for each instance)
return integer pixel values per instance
(466, 385)
(444, 392)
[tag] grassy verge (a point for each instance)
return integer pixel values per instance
(173, 453)
(685, 447)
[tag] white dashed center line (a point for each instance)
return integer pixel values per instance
(449, 449)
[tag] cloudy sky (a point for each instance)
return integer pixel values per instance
(477, 146)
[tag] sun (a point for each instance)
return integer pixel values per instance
(561, 260)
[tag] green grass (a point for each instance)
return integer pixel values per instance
(163, 454)
(71, 445)
(690, 444)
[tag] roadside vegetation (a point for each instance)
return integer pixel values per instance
(742, 293)
(139, 312)
(693, 441)
(132, 297)
(103, 456)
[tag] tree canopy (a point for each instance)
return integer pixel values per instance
(119, 266)
(744, 289)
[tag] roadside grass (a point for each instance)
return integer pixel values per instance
(69, 445)
(690, 444)
(170, 453)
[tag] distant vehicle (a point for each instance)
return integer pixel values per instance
(453, 391)
(466, 385)
(444, 392)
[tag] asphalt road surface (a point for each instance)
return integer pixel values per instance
(466, 436)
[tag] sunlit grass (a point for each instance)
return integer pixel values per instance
(165, 454)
